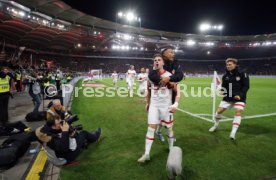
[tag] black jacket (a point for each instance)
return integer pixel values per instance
(59, 142)
(240, 84)
(171, 66)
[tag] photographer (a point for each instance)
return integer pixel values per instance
(57, 110)
(64, 139)
(35, 90)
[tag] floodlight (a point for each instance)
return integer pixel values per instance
(21, 13)
(204, 27)
(120, 14)
(190, 42)
(130, 16)
(220, 27)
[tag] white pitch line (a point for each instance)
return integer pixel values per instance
(210, 115)
(195, 115)
(223, 120)
(189, 113)
(251, 117)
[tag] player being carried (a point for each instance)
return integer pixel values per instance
(160, 108)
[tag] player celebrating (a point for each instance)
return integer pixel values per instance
(142, 78)
(114, 78)
(160, 108)
(131, 74)
(127, 78)
(236, 84)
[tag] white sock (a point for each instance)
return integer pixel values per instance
(170, 137)
(217, 118)
(236, 124)
(149, 140)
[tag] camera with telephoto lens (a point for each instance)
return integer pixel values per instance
(72, 128)
(72, 119)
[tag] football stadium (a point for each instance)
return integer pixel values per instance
(137, 90)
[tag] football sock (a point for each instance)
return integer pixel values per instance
(217, 118)
(236, 124)
(149, 140)
(170, 136)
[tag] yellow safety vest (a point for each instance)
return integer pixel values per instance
(5, 84)
(18, 76)
(46, 84)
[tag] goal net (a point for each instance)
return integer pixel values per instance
(96, 73)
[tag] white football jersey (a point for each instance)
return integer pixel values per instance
(142, 78)
(114, 76)
(131, 74)
(161, 95)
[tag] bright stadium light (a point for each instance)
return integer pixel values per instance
(205, 27)
(130, 16)
(127, 37)
(191, 43)
(120, 14)
(267, 43)
(21, 13)
(220, 27)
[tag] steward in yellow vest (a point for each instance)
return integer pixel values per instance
(4, 95)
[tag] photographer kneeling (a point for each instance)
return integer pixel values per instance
(64, 139)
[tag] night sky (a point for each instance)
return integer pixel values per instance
(239, 17)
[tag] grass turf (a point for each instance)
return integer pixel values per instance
(205, 155)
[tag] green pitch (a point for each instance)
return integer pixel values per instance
(205, 155)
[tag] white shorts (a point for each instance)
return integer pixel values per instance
(142, 88)
(228, 105)
(160, 115)
(115, 81)
(131, 84)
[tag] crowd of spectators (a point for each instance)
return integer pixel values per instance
(121, 62)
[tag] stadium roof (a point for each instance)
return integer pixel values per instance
(26, 32)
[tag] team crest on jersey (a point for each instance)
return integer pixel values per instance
(238, 78)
